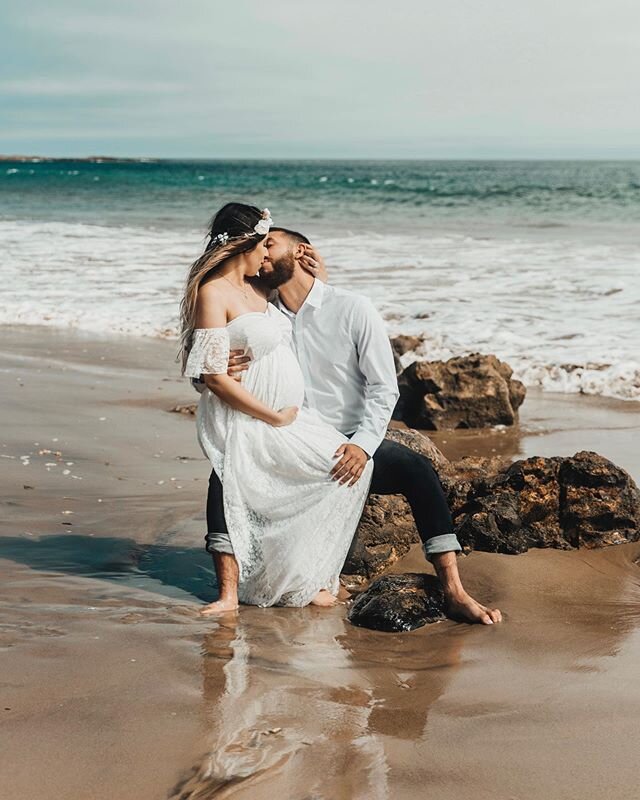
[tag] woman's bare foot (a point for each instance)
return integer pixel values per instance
(464, 607)
(343, 594)
(324, 599)
(219, 607)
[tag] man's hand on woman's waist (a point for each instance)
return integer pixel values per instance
(238, 363)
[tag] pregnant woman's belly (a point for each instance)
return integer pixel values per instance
(276, 379)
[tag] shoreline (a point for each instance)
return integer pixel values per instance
(130, 694)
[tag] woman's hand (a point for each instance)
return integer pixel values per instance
(313, 263)
(285, 416)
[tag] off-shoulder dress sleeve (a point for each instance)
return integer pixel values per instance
(209, 354)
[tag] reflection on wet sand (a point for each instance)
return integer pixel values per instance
(302, 705)
(307, 703)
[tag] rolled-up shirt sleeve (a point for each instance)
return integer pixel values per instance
(375, 358)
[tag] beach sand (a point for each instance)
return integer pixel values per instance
(112, 686)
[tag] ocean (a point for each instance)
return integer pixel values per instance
(537, 262)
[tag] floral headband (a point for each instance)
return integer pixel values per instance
(261, 228)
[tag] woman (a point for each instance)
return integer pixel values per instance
(289, 524)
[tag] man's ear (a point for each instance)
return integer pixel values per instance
(299, 251)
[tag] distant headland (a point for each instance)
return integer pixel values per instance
(88, 159)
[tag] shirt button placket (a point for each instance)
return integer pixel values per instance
(303, 357)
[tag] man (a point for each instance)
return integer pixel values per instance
(350, 380)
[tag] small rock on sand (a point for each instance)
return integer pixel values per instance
(398, 603)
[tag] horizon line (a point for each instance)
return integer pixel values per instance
(106, 157)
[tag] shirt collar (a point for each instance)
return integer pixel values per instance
(314, 298)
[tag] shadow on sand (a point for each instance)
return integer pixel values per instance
(163, 569)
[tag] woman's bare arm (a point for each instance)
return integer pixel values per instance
(235, 395)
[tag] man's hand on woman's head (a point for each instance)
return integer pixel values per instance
(313, 263)
(351, 465)
(238, 363)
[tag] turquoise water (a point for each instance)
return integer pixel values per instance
(537, 262)
(366, 195)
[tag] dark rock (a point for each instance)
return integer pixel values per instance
(475, 391)
(399, 603)
(419, 443)
(600, 502)
(564, 503)
(405, 344)
(385, 533)
(472, 468)
(400, 345)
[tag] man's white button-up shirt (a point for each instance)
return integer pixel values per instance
(347, 362)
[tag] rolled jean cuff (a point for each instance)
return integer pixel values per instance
(219, 542)
(446, 543)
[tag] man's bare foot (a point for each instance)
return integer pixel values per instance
(466, 608)
(324, 599)
(219, 607)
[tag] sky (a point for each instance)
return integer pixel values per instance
(329, 79)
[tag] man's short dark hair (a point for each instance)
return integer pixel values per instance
(298, 238)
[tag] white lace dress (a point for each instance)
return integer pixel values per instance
(290, 524)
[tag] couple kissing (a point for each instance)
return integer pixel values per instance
(298, 385)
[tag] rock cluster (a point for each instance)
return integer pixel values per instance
(565, 503)
(475, 391)
(579, 501)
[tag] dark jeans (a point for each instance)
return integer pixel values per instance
(396, 470)
(400, 470)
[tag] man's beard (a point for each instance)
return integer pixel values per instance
(281, 271)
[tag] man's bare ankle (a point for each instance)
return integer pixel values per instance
(455, 594)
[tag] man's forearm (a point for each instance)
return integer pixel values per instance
(378, 409)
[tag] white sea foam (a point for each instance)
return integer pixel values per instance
(96, 278)
(564, 314)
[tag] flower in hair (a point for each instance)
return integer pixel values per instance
(263, 225)
(220, 239)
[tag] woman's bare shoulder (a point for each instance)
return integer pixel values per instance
(211, 305)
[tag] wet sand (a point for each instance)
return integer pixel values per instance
(112, 686)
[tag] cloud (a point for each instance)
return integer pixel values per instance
(420, 78)
(83, 87)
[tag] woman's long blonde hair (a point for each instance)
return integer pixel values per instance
(231, 233)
